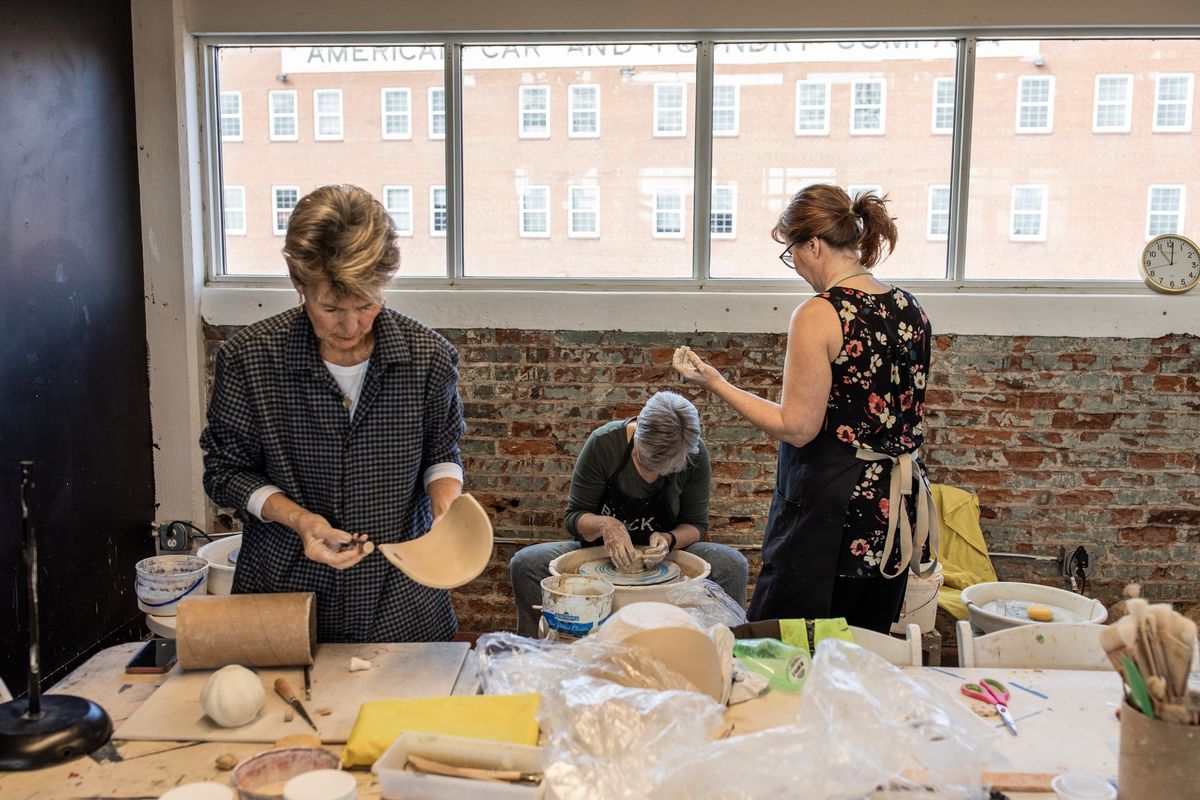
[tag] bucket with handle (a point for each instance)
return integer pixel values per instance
(575, 605)
(162, 581)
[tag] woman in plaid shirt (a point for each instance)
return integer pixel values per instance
(338, 420)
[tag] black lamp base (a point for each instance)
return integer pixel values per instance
(68, 727)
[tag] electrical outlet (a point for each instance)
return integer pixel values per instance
(173, 538)
(1078, 564)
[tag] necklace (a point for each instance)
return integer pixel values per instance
(853, 271)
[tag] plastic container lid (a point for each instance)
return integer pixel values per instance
(207, 790)
(321, 784)
(1082, 786)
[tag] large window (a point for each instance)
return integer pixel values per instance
(1082, 146)
(396, 106)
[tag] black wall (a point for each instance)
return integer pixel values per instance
(74, 392)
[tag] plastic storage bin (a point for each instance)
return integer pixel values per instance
(396, 783)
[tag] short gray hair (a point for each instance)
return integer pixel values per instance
(668, 433)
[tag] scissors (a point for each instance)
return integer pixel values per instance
(992, 692)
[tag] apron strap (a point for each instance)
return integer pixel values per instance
(927, 530)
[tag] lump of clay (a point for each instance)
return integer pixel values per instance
(232, 696)
(682, 359)
(359, 664)
(1039, 613)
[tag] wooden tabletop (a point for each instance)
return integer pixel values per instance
(1065, 718)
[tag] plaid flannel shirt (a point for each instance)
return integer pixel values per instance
(276, 417)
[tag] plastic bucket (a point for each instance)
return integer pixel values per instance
(162, 581)
(220, 570)
(575, 605)
(920, 602)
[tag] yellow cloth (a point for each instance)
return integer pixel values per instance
(962, 550)
(795, 633)
(499, 717)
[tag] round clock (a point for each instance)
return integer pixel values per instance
(1171, 263)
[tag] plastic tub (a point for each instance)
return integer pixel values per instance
(691, 569)
(220, 570)
(1082, 786)
(397, 783)
(997, 605)
(575, 605)
(162, 581)
(263, 776)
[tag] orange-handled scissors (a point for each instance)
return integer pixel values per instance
(992, 692)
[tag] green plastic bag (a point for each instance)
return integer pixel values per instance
(785, 666)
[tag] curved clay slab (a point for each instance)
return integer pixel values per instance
(455, 551)
(689, 652)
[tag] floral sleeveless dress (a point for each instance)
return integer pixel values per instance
(877, 402)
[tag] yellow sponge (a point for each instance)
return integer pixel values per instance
(1039, 613)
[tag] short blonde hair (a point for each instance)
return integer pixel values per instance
(343, 235)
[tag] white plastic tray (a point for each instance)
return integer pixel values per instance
(396, 783)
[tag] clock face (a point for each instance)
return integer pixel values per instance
(1171, 263)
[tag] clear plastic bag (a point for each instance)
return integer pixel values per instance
(785, 666)
(707, 602)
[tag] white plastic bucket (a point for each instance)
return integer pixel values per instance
(575, 605)
(220, 571)
(162, 581)
(920, 601)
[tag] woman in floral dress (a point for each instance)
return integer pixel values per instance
(851, 511)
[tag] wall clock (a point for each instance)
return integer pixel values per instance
(1171, 263)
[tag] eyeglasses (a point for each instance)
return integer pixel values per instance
(786, 256)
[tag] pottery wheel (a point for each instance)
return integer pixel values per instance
(663, 572)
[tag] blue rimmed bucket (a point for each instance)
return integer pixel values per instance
(162, 581)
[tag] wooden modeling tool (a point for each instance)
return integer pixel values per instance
(284, 690)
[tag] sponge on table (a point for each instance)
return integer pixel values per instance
(1039, 613)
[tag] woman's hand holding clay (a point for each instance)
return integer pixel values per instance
(693, 369)
(323, 543)
(660, 545)
(617, 542)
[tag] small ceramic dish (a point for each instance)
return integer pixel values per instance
(263, 776)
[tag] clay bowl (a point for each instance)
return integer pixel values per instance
(262, 777)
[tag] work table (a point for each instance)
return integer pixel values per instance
(1065, 718)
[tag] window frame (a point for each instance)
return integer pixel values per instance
(273, 115)
(433, 114)
(225, 205)
(319, 115)
(407, 188)
(930, 211)
(940, 104)
(654, 229)
(433, 210)
(1180, 214)
(241, 128)
(731, 186)
(1127, 103)
(656, 126)
(1048, 128)
(572, 110)
(572, 232)
(384, 114)
(1188, 102)
(827, 90)
(275, 209)
(735, 108)
(523, 209)
(1043, 213)
(855, 130)
(522, 111)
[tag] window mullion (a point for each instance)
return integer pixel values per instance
(702, 169)
(960, 158)
(452, 83)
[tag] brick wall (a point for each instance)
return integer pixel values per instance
(1066, 442)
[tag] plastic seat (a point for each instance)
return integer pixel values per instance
(1049, 645)
(904, 652)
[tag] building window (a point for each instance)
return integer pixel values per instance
(855, 189)
(396, 109)
(943, 105)
(670, 109)
(437, 112)
(1164, 210)
(1173, 103)
(535, 112)
(584, 111)
(725, 109)
(398, 202)
(438, 216)
(812, 108)
(1035, 104)
(1028, 221)
(284, 127)
(867, 107)
(937, 219)
(284, 200)
(231, 116)
(668, 214)
(535, 211)
(722, 216)
(1114, 96)
(233, 210)
(327, 114)
(583, 215)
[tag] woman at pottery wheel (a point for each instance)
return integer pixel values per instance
(641, 482)
(335, 423)
(851, 511)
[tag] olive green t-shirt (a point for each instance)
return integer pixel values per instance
(687, 491)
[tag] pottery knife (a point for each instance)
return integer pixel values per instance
(284, 690)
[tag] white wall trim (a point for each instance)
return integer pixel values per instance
(1125, 316)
